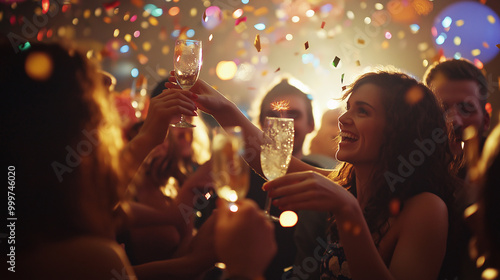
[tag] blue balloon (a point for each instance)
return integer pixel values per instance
(468, 30)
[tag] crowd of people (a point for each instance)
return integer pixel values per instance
(381, 195)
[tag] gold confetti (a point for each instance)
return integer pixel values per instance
(358, 63)
(361, 41)
(306, 45)
(264, 73)
(336, 61)
(256, 43)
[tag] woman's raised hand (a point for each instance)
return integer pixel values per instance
(208, 99)
(308, 191)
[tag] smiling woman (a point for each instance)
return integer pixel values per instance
(390, 222)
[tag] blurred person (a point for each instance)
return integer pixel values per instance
(71, 182)
(463, 90)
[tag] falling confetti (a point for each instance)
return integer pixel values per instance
(256, 43)
(336, 61)
(277, 70)
(323, 25)
(306, 45)
(358, 63)
(342, 78)
(498, 46)
(343, 88)
(361, 41)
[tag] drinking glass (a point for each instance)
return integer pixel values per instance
(187, 66)
(276, 151)
(230, 172)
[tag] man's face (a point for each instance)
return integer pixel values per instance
(298, 112)
(462, 104)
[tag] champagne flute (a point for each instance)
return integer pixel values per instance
(187, 66)
(276, 151)
(138, 95)
(230, 172)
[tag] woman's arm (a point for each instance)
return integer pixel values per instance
(161, 112)
(422, 227)
(227, 114)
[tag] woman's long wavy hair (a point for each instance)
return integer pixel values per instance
(414, 119)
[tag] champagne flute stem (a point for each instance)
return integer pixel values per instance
(267, 207)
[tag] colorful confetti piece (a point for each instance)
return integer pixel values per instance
(361, 41)
(342, 78)
(336, 61)
(240, 20)
(277, 70)
(323, 25)
(358, 63)
(256, 43)
(306, 45)
(498, 46)
(343, 88)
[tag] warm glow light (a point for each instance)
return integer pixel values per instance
(226, 70)
(295, 19)
(116, 33)
(288, 219)
(289, 37)
(489, 274)
(368, 20)
(233, 207)
(470, 210)
(310, 13)
(38, 66)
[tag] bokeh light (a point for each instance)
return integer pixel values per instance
(459, 30)
(38, 66)
(226, 70)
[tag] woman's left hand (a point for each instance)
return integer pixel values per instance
(308, 191)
